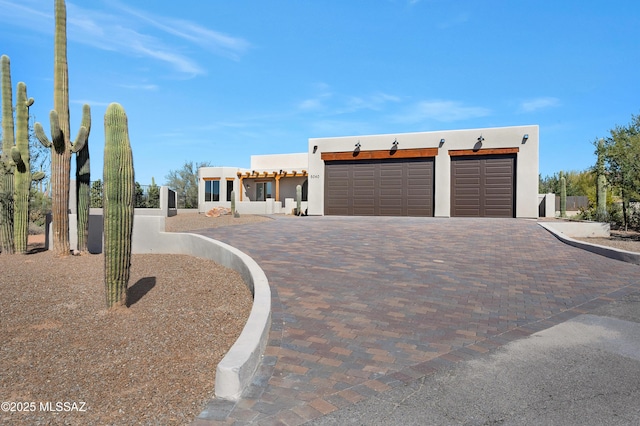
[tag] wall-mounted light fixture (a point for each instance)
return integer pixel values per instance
(525, 138)
(442, 141)
(395, 143)
(358, 145)
(315, 148)
(480, 139)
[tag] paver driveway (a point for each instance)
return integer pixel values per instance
(361, 305)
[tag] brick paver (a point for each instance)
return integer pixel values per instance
(361, 305)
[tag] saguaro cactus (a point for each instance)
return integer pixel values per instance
(299, 200)
(118, 202)
(234, 212)
(23, 177)
(601, 184)
(563, 196)
(83, 196)
(60, 144)
(6, 163)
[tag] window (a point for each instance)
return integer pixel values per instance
(229, 189)
(263, 191)
(212, 190)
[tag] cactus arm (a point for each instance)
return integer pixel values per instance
(16, 157)
(81, 139)
(42, 137)
(85, 129)
(37, 176)
(57, 135)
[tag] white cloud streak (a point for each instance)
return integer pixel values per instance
(135, 34)
(536, 104)
(441, 110)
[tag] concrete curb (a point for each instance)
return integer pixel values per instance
(610, 252)
(237, 368)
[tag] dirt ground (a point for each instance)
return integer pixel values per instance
(66, 359)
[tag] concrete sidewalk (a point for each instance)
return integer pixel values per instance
(364, 308)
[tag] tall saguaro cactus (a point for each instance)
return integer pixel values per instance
(6, 163)
(563, 195)
(601, 185)
(23, 177)
(83, 196)
(118, 202)
(60, 144)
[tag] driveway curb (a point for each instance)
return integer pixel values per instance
(610, 252)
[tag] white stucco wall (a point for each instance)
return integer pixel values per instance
(501, 137)
(276, 162)
(224, 174)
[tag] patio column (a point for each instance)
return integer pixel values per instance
(241, 189)
(277, 176)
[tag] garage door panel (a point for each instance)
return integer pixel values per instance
(485, 182)
(380, 187)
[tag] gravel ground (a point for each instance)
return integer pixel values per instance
(629, 241)
(151, 363)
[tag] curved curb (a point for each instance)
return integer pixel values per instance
(612, 253)
(235, 371)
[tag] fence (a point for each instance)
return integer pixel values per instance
(146, 196)
(574, 202)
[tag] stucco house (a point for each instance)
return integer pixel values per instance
(268, 187)
(489, 172)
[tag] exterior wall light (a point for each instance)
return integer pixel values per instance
(395, 143)
(480, 139)
(525, 138)
(315, 148)
(358, 145)
(442, 141)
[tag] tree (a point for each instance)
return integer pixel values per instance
(153, 201)
(139, 200)
(578, 183)
(621, 155)
(185, 183)
(96, 194)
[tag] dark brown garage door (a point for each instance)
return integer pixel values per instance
(379, 187)
(483, 186)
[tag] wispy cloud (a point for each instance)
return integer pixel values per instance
(133, 34)
(440, 110)
(224, 44)
(148, 87)
(331, 103)
(88, 102)
(539, 103)
(454, 21)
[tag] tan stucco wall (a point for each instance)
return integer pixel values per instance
(276, 162)
(499, 137)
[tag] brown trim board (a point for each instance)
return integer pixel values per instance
(487, 151)
(380, 154)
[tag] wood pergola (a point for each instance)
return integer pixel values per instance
(277, 175)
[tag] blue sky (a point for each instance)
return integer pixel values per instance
(218, 81)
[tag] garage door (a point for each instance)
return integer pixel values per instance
(483, 186)
(396, 187)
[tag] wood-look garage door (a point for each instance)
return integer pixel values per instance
(397, 187)
(483, 186)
